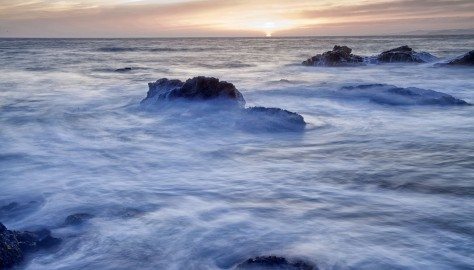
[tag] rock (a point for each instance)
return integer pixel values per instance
(203, 89)
(198, 88)
(393, 95)
(275, 262)
(271, 119)
(339, 56)
(405, 54)
(10, 252)
(127, 69)
(14, 245)
(77, 219)
(463, 60)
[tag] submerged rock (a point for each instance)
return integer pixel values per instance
(14, 245)
(393, 95)
(271, 119)
(275, 262)
(197, 88)
(130, 212)
(463, 60)
(15, 209)
(126, 69)
(405, 54)
(77, 219)
(339, 56)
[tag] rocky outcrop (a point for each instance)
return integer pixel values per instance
(14, 244)
(207, 89)
(463, 60)
(275, 262)
(405, 54)
(393, 95)
(339, 56)
(342, 56)
(198, 88)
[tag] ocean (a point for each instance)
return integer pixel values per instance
(366, 185)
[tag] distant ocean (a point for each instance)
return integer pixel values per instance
(367, 185)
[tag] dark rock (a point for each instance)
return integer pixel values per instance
(77, 219)
(10, 252)
(463, 60)
(203, 88)
(271, 119)
(275, 262)
(49, 242)
(14, 245)
(339, 56)
(197, 88)
(127, 69)
(393, 95)
(405, 54)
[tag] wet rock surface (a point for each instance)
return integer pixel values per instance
(276, 262)
(463, 60)
(271, 119)
(404, 54)
(393, 95)
(339, 56)
(197, 88)
(14, 244)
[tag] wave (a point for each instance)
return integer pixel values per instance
(234, 64)
(141, 49)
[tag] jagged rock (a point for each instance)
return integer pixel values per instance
(10, 252)
(271, 119)
(463, 60)
(393, 95)
(197, 88)
(339, 56)
(275, 262)
(77, 219)
(14, 244)
(405, 54)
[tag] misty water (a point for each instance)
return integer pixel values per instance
(367, 185)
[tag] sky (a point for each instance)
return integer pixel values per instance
(211, 18)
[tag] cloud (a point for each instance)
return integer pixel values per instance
(391, 9)
(147, 18)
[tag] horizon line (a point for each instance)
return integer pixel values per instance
(231, 37)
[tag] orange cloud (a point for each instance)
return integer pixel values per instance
(149, 18)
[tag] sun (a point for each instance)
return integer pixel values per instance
(269, 27)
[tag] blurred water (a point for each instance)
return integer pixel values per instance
(366, 186)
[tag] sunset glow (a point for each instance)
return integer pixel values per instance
(130, 18)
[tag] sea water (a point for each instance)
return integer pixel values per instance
(367, 185)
